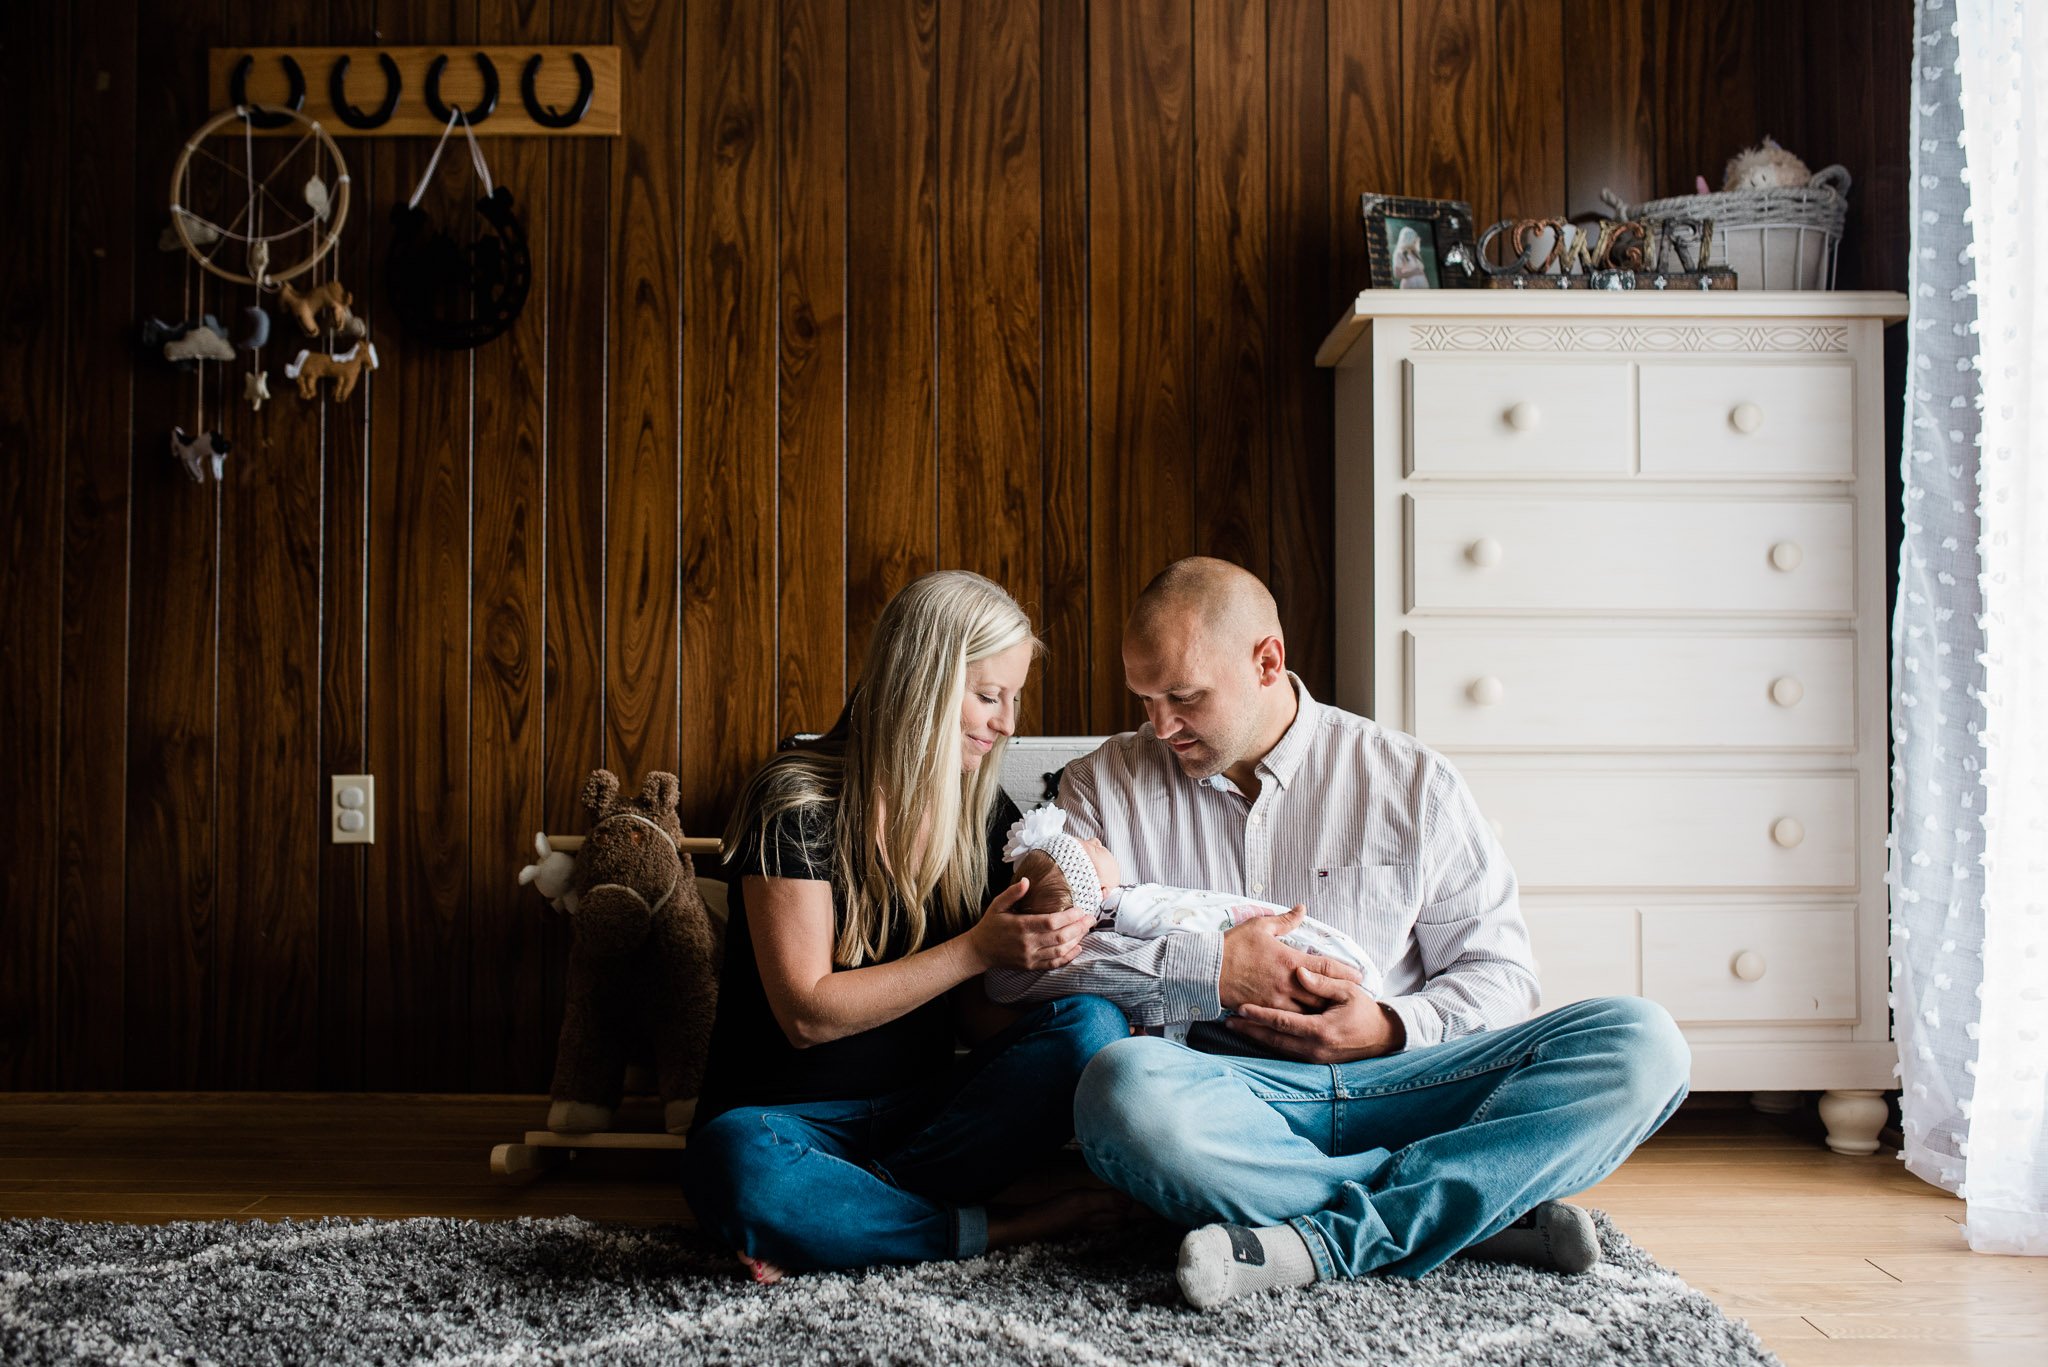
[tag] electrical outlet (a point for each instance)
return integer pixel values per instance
(352, 810)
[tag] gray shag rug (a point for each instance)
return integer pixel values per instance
(563, 1290)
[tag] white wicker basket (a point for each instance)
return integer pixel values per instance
(1772, 239)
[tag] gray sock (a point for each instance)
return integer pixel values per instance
(1218, 1262)
(1554, 1235)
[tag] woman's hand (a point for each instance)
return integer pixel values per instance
(1004, 938)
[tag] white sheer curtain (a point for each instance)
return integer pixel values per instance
(1970, 641)
(2003, 64)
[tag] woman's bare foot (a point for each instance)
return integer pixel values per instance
(1069, 1213)
(761, 1270)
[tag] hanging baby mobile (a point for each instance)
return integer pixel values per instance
(273, 234)
(450, 295)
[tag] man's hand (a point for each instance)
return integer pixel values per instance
(1259, 970)
(1344, 1026)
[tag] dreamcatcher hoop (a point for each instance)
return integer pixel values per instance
(181, 216)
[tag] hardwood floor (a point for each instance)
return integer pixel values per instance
(1834, 1261)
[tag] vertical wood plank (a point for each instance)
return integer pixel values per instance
(1706, 60)
(891, 178)
(1610, 129)
(728, 465)
(1366, 107)
(267, 939)
(988, 329)
(1233, 473)
(1063, 613)
(811, 471)
(641, 471)
(344, 618)
(1140, 205)
(508, 1024)
(171, 895)
(1529, 58)
(1857, 118)
(90, 985)
(34, 273)
(576, 293)
(1299, 393)
(417, 931)
(1450, 117)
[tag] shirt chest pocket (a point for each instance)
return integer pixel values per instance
(1364, 895)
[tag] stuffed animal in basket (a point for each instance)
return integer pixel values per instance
(643, 971)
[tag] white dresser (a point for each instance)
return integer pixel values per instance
(1621, 557)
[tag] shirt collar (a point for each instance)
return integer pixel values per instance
(1283, 761)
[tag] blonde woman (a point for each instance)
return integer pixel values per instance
(836, 1128)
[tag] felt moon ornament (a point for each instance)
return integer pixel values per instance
(452, 295)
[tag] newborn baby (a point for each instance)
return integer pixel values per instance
(1085, 873)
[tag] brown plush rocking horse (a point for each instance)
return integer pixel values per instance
(345, 369)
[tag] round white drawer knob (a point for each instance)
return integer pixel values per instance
(1485, 552)
(1524, 416)
(1746, 418)
(1749, 965)
(1487, 692)
(1786, 555)
(1788, 832)
(1787, 692)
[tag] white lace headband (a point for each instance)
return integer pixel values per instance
(1046, 829)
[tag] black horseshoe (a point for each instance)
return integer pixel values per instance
(586, 86)
(238, 92)
(337, 94)
(477, 112)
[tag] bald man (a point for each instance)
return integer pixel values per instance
(1307, 1129)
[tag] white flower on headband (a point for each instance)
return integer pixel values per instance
(1035, 830)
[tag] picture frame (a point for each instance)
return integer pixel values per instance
(1419, 243)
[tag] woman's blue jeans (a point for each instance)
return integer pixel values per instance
(1391, 1164)
(898, 1178)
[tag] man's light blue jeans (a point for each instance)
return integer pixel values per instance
(1392, 1164)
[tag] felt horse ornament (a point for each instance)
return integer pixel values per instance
(344, 369)
(307, 307)
(198, 454)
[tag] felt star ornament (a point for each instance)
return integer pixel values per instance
(256, 388)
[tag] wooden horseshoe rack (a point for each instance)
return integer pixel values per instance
(409, 92)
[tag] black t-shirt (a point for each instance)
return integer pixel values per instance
(751, 1062)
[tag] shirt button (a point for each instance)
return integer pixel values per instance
(1258, 887)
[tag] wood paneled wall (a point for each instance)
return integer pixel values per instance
(1027, 286)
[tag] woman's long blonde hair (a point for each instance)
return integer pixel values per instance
(908, 828)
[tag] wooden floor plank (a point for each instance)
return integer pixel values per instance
(1897, 1353)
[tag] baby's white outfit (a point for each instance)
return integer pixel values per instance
(1146, 911)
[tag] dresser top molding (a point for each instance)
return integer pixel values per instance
(1566, 307)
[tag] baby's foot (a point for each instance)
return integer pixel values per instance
(761, 1270)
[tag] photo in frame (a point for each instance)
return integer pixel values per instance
(1419, 244)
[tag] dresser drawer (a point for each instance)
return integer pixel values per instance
(1653, 828)
(1624, 690)
(1583, 952)
(1630, 555)
(1751, 964)
(1785, 421)
(1519, 420)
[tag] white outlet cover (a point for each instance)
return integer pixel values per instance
(352, 809)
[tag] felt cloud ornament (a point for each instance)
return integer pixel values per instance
(206, 340)
(457, 296)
